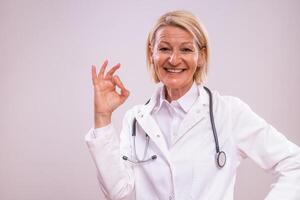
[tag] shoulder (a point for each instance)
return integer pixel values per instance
(133, 111)
(235, 109)
(229, 102)
(146, 107)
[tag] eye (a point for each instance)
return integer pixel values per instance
(164, 49)
(186, 50)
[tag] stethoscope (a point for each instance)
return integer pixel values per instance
(220, 155)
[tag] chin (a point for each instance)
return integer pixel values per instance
(173, 84)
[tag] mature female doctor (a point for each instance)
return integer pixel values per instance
(186, 142)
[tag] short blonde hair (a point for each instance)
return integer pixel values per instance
(188, 22)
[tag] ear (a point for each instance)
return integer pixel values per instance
(202, 57)
(150, 47)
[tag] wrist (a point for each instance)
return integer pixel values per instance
(102, 120)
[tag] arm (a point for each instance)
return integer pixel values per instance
(267, 147)
(115, 177)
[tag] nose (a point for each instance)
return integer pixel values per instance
(175, 58)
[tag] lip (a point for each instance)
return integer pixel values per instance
(174, 70)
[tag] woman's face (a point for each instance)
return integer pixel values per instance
(175, 56)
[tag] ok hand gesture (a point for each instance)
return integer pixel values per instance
(106, 98)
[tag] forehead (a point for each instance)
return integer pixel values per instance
(173, 34)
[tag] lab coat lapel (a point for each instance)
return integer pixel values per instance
(197, 113)
(149, 125)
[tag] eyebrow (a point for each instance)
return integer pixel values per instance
(181, 43)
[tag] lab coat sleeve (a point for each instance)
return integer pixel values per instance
(114, 174)
(267, 147)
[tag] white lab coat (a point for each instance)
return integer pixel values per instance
(188, 170)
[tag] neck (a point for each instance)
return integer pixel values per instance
(172, 94)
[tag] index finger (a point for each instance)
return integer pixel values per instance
(111, 72)
(102, 69)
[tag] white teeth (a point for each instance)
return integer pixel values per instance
(174, 70)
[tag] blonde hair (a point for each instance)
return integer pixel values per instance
(188, 22)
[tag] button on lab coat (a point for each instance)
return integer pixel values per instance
(188, 169)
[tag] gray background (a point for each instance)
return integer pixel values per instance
(47, 48)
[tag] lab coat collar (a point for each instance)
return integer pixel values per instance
(203, 96)
(156, 99)
(185, 102)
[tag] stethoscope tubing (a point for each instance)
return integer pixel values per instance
(212, 121)
(220, 155)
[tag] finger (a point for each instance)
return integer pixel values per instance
(111, 72)
(94, 74)
(124, 91)
(102, 69)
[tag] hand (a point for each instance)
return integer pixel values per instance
(106, 98)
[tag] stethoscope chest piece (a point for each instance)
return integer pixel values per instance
(221, 159)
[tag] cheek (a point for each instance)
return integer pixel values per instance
(156, 65)
(156, 58)
(157, 61)
(196, 60)
(194, 64)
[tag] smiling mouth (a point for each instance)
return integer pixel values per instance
(174, 70)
